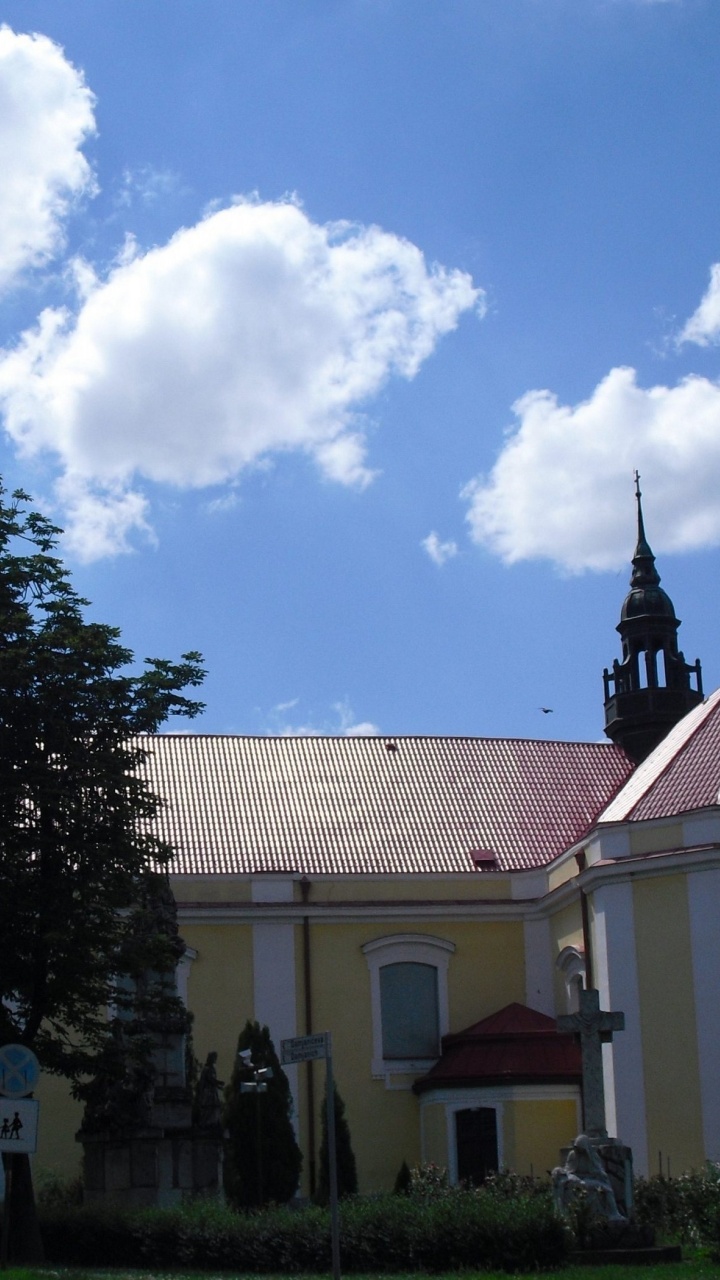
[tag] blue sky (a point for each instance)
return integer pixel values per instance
(333, 330)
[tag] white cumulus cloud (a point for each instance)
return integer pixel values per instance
(438, 551)
(559, 489)
(703, 327)
(46, 113)
(253, 332)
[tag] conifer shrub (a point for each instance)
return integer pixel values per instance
(262, 1158)
(347, 1181)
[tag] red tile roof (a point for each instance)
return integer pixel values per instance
(375, 805)
(517, 1045)
(682, 773)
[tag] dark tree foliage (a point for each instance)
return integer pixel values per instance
(150, 1020)
(346, 1168)
(403, 1181)
(262, 1158)
(76, 816)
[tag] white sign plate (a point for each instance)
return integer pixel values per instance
(18, 1125)
(305, 1048)
(19, 1070)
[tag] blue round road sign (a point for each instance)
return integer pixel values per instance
(19, 1070)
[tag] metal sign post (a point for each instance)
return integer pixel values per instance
(308, 1049)
(19, 1073)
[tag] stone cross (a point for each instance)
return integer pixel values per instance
(594, 1027)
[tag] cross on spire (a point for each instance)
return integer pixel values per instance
(595, 1028)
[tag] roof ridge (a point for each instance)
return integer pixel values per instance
(382, 738)
(657, 765)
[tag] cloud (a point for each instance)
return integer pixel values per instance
(560, 487)
(46, 113)
(253, 333)
(285, 706)
(703, 327)
(344, 725)
(147, 185)
(439, 552)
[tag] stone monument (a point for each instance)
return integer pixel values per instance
(584, 1172)
(142, 1144)
(594, 1027)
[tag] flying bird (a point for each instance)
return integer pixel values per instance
(546, 710)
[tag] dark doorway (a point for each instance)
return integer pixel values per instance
(476, 1139)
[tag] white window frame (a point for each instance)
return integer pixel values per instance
(182, 973)
(406, 948)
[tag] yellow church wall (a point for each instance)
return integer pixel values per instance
(559, 875)
(651, 837)
(220, 988)
(411, 889)
(487, 970)
(534, 1131)
(211, 888)
(665, 981)
(434, 1135)
(58, 1122)
(384, 1124)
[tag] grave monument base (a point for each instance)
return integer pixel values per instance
(144, 1168)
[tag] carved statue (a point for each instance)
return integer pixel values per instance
(583, 1170)
(208, 1106)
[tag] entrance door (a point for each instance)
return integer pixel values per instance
(476, 1143)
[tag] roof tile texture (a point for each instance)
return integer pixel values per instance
(516, 1044)
(680, 775)
(331, 805)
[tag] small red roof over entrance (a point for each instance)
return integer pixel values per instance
(516, 1045)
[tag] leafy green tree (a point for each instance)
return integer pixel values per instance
(77, 840)
(262, 1158)
(346, 1168)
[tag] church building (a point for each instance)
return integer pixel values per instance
(436, 903)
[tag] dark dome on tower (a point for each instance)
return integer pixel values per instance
(650, 690)
(647, 602)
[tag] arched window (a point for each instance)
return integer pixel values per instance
(408, 991)
(571, 963)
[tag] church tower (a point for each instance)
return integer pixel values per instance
(650, 689)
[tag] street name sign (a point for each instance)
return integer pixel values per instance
(305, 1048)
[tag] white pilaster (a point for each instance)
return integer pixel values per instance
(704, 908)
(616, 978)
(274, 969)
(539, 992)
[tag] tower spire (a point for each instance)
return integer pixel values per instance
(650, 689)
(644, 573)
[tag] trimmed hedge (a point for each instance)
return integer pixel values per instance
(388, 1233)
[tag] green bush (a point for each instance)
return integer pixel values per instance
(686, 1209)
(466, 1229)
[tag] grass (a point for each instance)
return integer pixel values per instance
(696, 1268)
